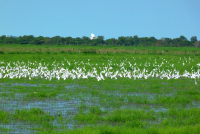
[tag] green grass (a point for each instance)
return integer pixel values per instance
(119, 105)
(34, 114)
(129, 130)
(4, 116)
(108, 50)
(110, 96)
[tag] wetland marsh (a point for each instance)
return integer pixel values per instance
(99, 93)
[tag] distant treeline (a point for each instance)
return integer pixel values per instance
(100, 41)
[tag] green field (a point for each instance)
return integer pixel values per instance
(73, 49)
(105, 90)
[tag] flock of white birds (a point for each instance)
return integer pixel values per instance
(85, 70)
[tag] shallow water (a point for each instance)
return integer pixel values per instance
(18, 127)
(57, 106)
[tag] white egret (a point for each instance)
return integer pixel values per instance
(92, 36)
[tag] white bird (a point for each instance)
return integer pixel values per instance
(195, 82)
(92, 36)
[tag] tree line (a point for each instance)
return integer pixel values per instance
(99, 41)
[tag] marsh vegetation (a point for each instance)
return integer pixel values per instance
(61, 92)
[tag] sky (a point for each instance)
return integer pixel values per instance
(108, 18)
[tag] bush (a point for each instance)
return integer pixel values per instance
(1, 52)
(89, 51)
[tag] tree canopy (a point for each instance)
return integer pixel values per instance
(182, 41)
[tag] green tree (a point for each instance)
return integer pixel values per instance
(136, 40)
(78, 41)
(23, 39)
(193, 39)
(113, 40)
(39, 40)
(182, 38)
(85, 40)
(168, 41)
(121, 40)
(108, 41)
(68, 40)
(63, 40)
(71, 40)
(30, 38)
(7, 40)
(130, 41)
(56, 40)
(197, 44)
(100, 40)
(47, 41)
(2, 38)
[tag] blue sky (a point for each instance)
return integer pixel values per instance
(108, 18)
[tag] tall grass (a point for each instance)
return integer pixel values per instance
(30, 49)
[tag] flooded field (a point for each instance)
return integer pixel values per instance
(78, 96)
(66, 102)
